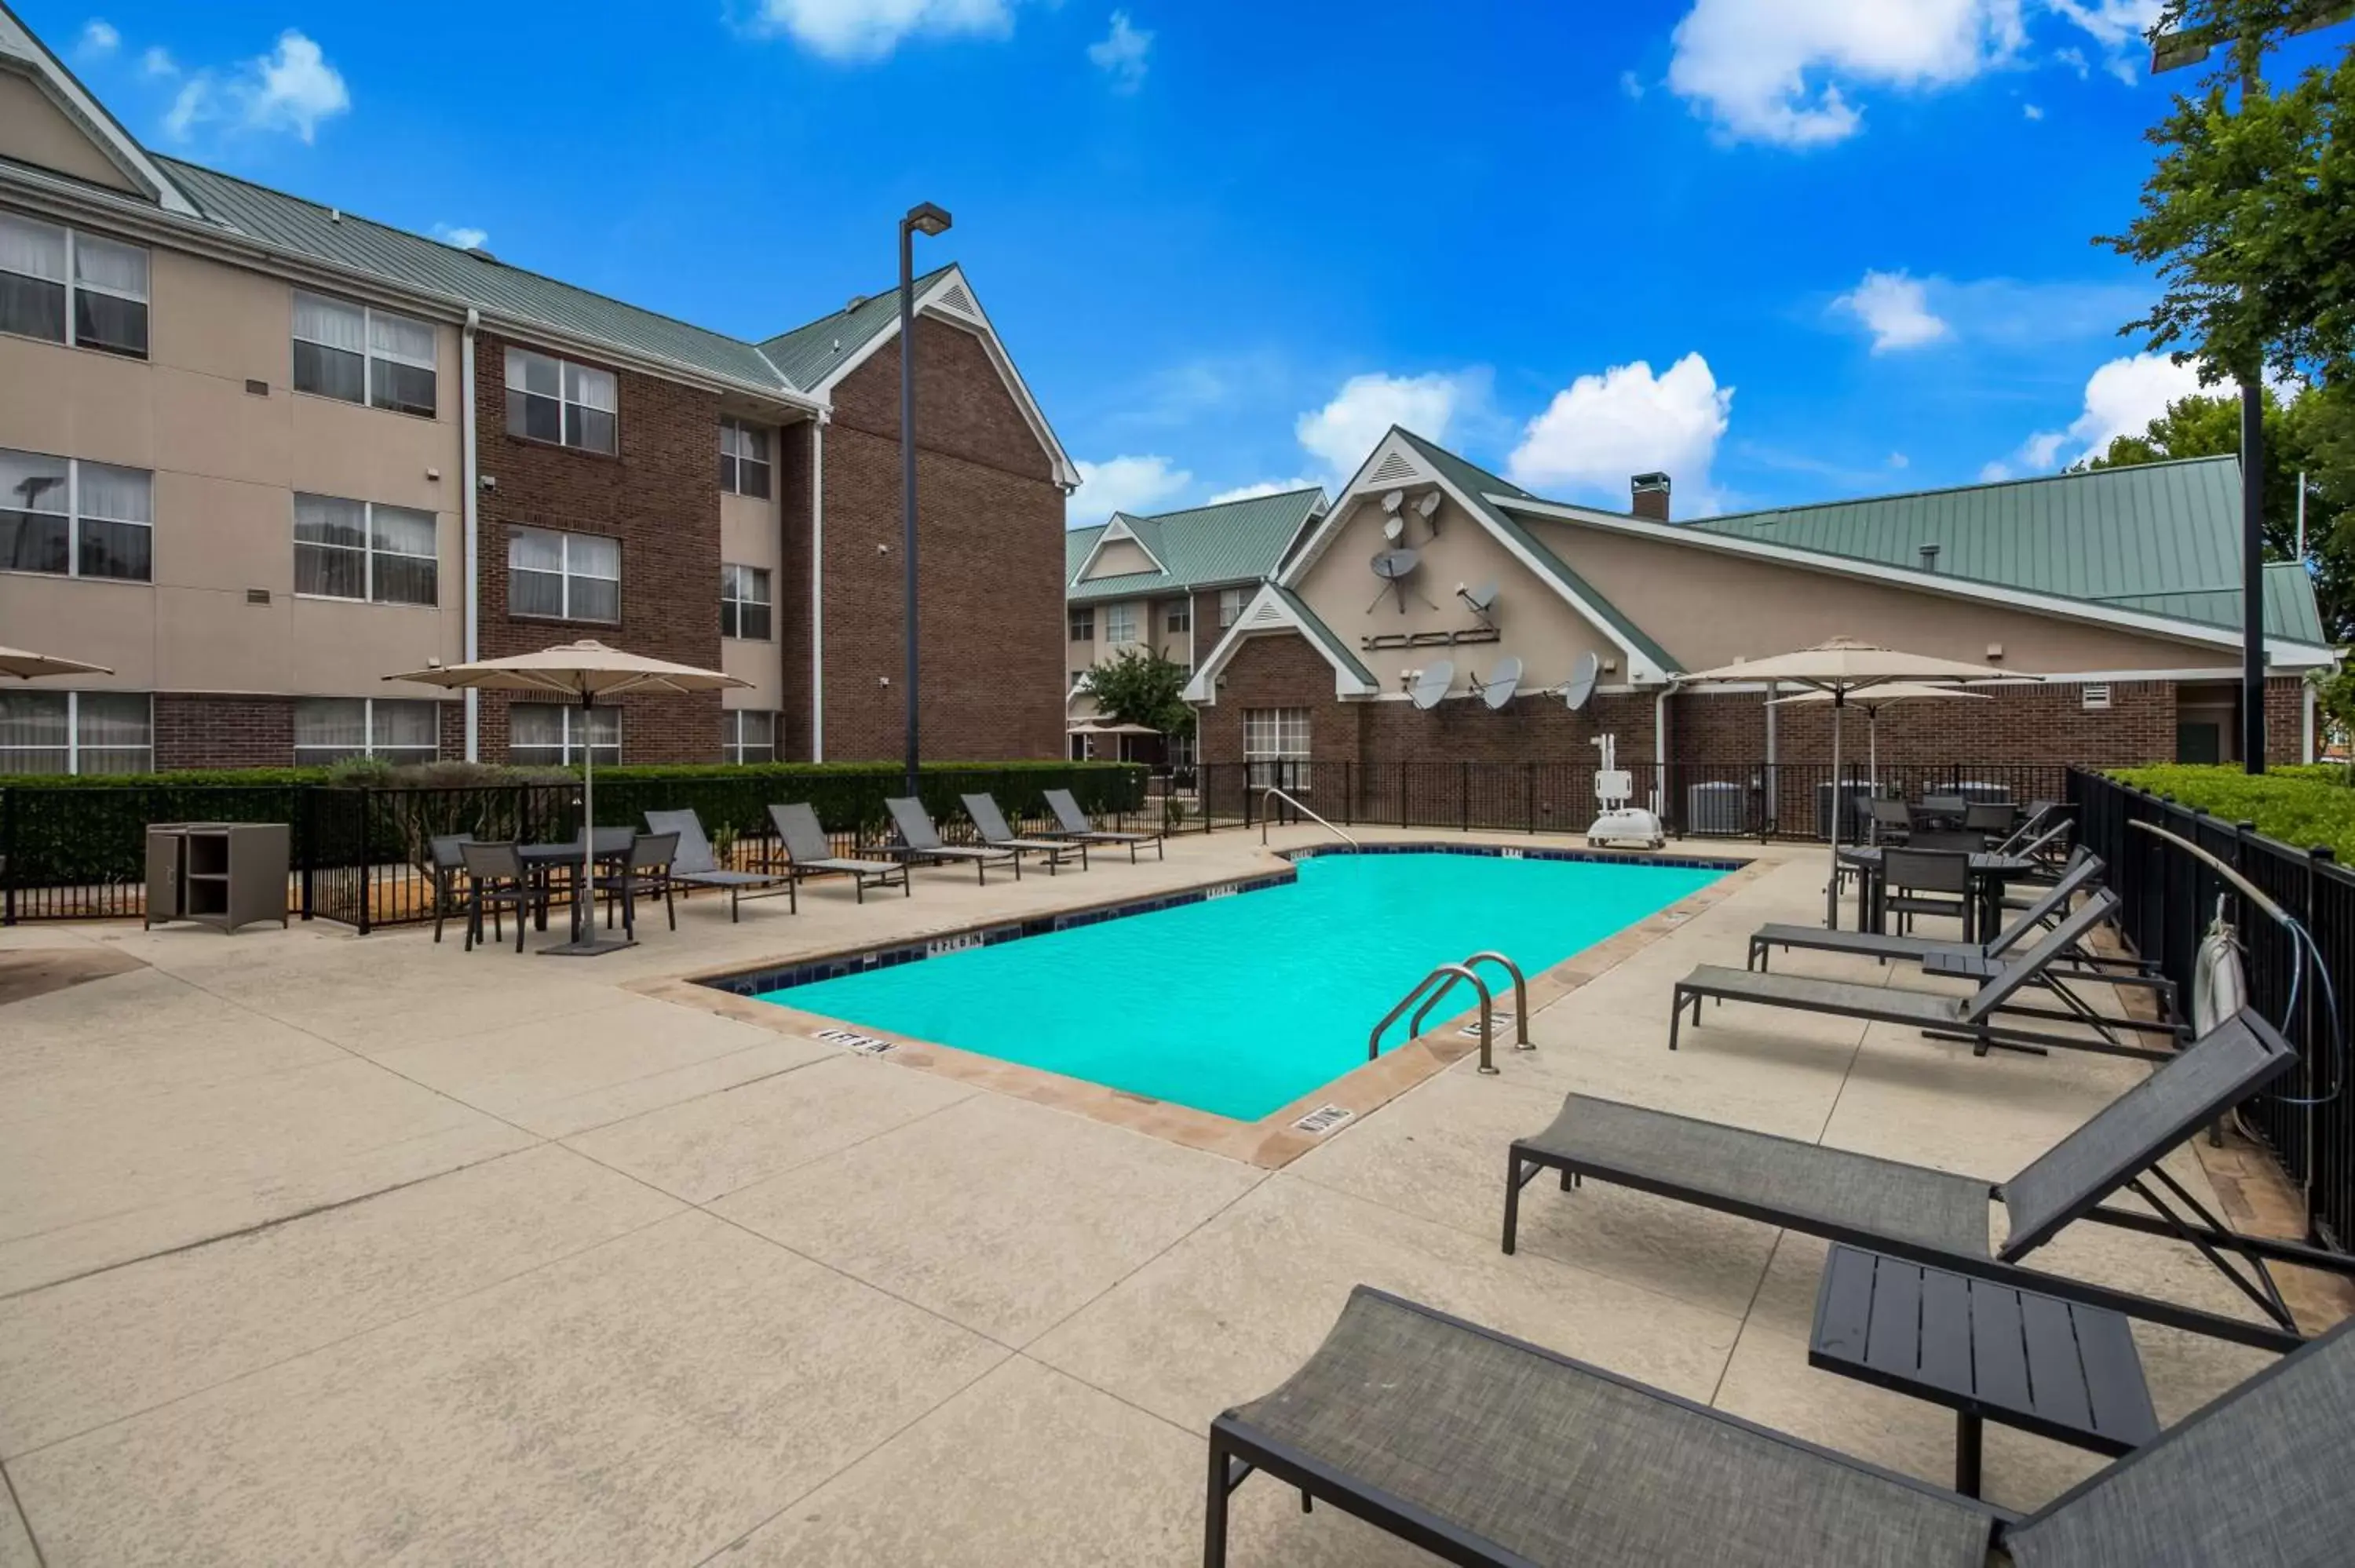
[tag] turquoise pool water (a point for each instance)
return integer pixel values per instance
(1241, 1004)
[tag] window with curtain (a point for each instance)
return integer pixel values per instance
(552, 399)
(361, 355)
(743, 458)
(1230, 606)
(744, 602)
(1181, 615)
(73, 518)
(65, 286)
(1120, 623)
(76, 732)
(558, 733)
(355, 549)
(1275, 744)
(328, 729)
(750, 735)
(564, 576)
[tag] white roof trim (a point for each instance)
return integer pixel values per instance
(19, 47)
(2284, 652)
(965, 314)
(1268, 612)
(1401, 466)
(1117, 528)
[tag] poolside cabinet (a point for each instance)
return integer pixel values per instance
(217, 874)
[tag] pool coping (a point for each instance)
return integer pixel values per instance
(1269, 1142)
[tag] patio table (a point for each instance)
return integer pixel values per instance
(1989, 872)
(543, 860)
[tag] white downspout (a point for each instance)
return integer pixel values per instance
(817, 587)
(1660, 752)
(469, 480)
(2306, 706)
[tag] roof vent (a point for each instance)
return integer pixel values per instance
(1929, 558)
(1648, 496)
(335, 214)
(479, 254)
(954, 298)
(856, 300)
(1396, 466)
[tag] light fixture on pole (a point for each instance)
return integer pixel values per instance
(927, 219)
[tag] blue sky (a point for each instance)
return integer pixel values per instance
(1786, 249)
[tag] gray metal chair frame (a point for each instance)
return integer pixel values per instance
(697, 865)
(498, 879)
(920, 843)
(807, 852)
(990, 823)
(447, 862)
(1907, 875)
(1993, 817)
(645, 871)
(1074, 823)
(1892, 822)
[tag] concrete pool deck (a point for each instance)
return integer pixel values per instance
(324, 1249)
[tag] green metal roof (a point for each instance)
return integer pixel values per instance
(1315, 628)
(1235, 542)
(804, 355)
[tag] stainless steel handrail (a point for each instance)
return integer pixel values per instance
(1451, 973)
(2247, 889)
(1521, 999)
(1268, 789)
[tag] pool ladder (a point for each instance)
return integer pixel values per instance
(1439, 982)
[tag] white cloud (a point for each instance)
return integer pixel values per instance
(1631, 84)
(157, 61)
(1123, 484)
(1894, 308)
(2114, 23)
(1345, 430)
(2122, 398)
(294, 88)
(1602, 428)
(1121, 54)
(2074, 59)
(871, 30)
(99, 37)
(2031, 111)
(462, 237)
(1261, 487)
(1899, 460)
(192, 103)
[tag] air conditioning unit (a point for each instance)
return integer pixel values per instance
(1719, 808)
(1853, 812)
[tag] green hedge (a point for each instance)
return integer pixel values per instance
(2300, 806)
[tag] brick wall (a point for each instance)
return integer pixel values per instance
(2284, 721)
(659, 496)
(796, 445)
(990, 552)
(198, 730)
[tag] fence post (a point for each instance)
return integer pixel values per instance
(367, 860)
(306, 836)
(1529, 795)
(8, 857)
(1464, 796)
(2319, 855)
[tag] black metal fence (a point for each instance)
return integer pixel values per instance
(2171, 897)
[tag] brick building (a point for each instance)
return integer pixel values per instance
(2118, 588)
(257, 452)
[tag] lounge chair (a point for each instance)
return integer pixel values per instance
(1483, 1449)
(990, 823)
(1939, 1218)
(807, 852)
(920, 843)
(1975, 1018)
(693, 864)
(1070, 823)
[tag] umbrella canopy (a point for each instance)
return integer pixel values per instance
(1092, 727)
(1872, 698)
(28, 666)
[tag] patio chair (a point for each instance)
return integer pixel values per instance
(1892, 822)
(1486, 1449)
(696, 866)
(807, 852)
(1070, 823)
(1940, 1219)
(1925, 882)
(920, 843)
(1994, 818)
(990, 823)
(1975, 1019)
(445, 862)
(1948, 840)
(645, 870)
(496, 880)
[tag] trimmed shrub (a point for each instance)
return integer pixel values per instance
(2298, 806)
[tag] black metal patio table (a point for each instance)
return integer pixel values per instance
(542, 860)
(1989, 872)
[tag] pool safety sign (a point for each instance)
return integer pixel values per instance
(1501, 1021)
(1323, 1119)
(865, 1044)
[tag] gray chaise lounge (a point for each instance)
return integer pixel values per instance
(807, 852)
(1938, 1218)
(920, 843)
(990, 823)
(694, 866)
(1486, 1449)
(1070, 823)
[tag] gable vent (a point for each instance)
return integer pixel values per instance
(954, 298)
(1270, 613)
(1395, 468)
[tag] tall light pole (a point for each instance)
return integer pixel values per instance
(923, 218)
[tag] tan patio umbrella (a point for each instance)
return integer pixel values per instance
(27, 667)
(1094, 727)
(1841, 668)
(585, 671)
(1872, 699)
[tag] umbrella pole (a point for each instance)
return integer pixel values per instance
(584, 907)
(1831, 879)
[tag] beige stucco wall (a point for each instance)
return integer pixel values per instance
(748, 538)
(227, 463)
(1538, 626)
(34, 131)
(1118, 559)
(1150, 616)
(1708, 607)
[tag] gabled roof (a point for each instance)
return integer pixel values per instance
(21, 50)
(1277, 609)
(809, 353)
(1233, 542)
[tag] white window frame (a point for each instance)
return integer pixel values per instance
(74, 746)
(370, 745)
(753, 577)
(1273, 738)
(369, 354)
(565, 400)
(565, 575)
(367, 553)
(731, 739)
(741, 428)
(1231, 605)
(74, 517)
(73, 283)
(1119, 624)
(574, 728)
(1178, 617)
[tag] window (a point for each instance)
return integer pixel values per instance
(1120, 623)
(564, 576)
(328, 729)
(76, 732)
(743, 458)
(1275, 744)
(108, 310)
(555, 400)
(744, 602)
(355, 549)
(73, 518)
(1079, 680)
(556, 733)
(1083, 625)
(750, 735)
(1181, 617)
(1230, 606)
(362, 355)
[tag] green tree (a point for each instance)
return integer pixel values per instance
(1137, 686)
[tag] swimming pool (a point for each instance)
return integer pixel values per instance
(1241, 1002)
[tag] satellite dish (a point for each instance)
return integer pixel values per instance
(1428, 506)
(1432, 684)
(1393, 501)
(1502, 682)
(1393, 565)
(1479, 597)
(1394, 529)
(1582, 681)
